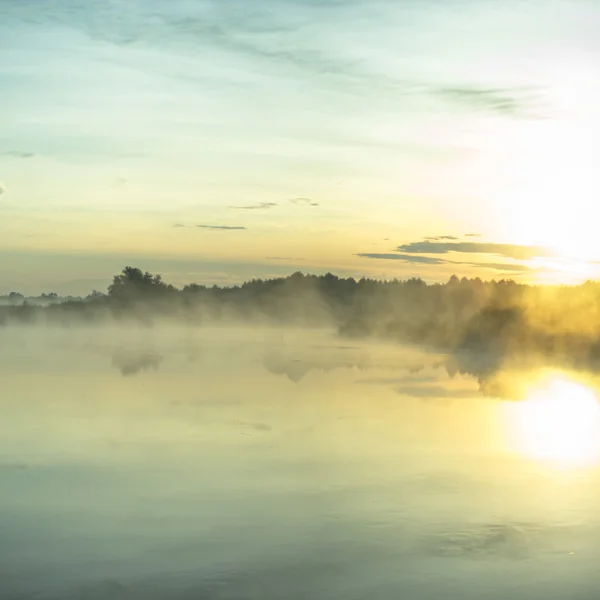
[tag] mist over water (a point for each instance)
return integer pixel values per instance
(299, 300)
(263, 462)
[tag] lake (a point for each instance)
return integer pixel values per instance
(260, 463)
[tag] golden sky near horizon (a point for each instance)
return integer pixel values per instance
(218, 141)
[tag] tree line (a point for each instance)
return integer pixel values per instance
(500, 316)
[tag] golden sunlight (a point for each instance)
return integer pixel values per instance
(559, 421)
(548, 183)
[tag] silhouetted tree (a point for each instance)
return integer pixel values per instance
(132, 284)
(95, 295)
(16, 298)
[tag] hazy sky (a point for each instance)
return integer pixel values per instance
(218, 140)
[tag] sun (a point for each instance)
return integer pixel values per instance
(544, 174)
(559, 421)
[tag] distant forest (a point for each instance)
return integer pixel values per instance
(495, 316)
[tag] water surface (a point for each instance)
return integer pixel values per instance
(259, 463)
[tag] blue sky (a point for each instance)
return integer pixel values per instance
(391, 121)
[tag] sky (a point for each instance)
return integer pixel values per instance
(219, 140)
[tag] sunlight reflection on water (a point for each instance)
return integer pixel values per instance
(558, 422)
(332, 472)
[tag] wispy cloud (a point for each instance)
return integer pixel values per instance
(3, 189)
(269, 205)
(516, 251)
(17, 154)
(179, 225)
(472, 235)
(437, 238)
(304, 201)
(515, 102)
(260, 206)
(409, 258)
(430, 260)
(435, 391)
(513, 267)
(249, 35)
(222, 227)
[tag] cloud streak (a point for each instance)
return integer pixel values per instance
(429, 260)
(304, 202)
(17, 154)
(260, 206)
(222, 227)
(516, 251)
(516, 268)
(416, 259)
(512, 102)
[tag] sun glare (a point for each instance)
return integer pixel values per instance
(559, 421)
